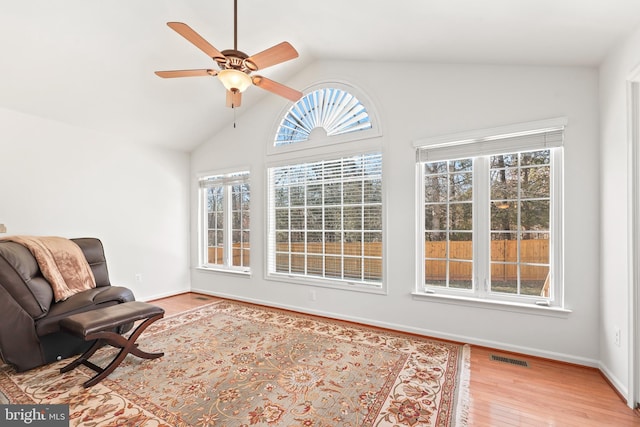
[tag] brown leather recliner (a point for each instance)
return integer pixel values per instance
(29, 331)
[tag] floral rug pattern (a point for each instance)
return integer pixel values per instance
(232, 364)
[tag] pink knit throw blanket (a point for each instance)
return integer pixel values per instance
(62, 263)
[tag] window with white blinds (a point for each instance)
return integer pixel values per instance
(225, 221)
(325, 221)
(490, 215)
(335, 110)
(483, 146)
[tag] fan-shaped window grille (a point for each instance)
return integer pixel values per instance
(335, 110)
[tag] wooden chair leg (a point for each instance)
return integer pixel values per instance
(83, 358)
(126, 346)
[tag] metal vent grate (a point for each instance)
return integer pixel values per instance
(202, 298)
(509, 360)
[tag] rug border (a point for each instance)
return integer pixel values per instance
(461, 401)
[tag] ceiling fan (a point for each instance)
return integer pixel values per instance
(236, 66)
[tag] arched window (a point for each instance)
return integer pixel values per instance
(325, 205)
(335, 110)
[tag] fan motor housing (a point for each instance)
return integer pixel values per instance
(237, 60)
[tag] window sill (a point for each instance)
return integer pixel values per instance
(246, 273)
(494, 304)
(327, 283)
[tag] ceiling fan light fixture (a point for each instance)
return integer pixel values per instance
(236, 66)
(234, 80)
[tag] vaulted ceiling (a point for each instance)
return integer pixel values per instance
(90, 63)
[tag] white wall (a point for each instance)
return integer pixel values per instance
(615, 231)
(61, 180)
(431, 100)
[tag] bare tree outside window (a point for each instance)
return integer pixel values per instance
(227, 220)
(519, 220)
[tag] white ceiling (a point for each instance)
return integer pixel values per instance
(90, 63)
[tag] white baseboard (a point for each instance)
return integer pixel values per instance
(166, 295)
(614, 381)
(568, 358)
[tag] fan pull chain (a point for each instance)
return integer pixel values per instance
(234, 115)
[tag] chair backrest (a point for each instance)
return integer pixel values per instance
(94, 253)
(22, 279)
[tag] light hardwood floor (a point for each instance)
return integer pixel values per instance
(546, 393)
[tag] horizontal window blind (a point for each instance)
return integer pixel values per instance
(326, 219)
(510, 143)
(490, 213)
(221, 180)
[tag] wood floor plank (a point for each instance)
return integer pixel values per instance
(546, 393)
(182, 302)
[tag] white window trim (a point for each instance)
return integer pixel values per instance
(350, 149)
(482, 299)
(491, 133)
(203, 223)
(492, 304)
(322, 147)
(319, 140)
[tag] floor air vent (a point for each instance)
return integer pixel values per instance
(202, 298)
(509, 360)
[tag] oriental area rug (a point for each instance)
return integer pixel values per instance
(234, 364)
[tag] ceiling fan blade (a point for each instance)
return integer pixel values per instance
(274, 55)
(196, 39)
(185, 73)
(234, 99)
(277, 88)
